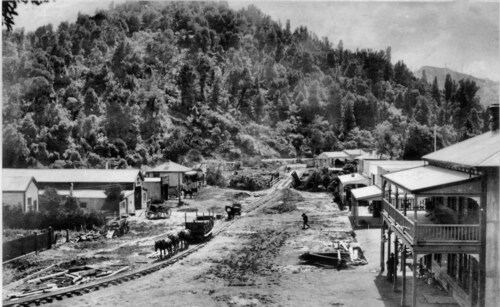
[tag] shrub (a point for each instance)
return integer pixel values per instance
(215, 178)
(14, 218)
(253, 182)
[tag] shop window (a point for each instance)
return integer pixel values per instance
(83, 205)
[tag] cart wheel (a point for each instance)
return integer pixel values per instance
(168, 212)
(149, 215)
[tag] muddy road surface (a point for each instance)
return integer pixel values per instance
(254, 262)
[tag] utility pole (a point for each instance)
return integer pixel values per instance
(434, 137)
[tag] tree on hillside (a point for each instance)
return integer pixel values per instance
(419, 142)
(15, 152)
(449, 88)
(402, 75)
(388, 141)
(186, 83)
(316, 141)
(362, 138)
(91, 103)
(465, 101)
(435, 92)
(120, 121)
(348, 119)
(423, 111)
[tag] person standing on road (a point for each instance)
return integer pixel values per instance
(305, 219)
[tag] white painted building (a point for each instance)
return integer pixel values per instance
(21, 192)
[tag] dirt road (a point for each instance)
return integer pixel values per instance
(253, 263)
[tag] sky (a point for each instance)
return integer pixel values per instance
(460, 35)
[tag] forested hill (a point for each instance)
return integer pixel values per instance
(148, 81)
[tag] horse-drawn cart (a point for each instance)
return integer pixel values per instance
(158, 211)
(201, 227)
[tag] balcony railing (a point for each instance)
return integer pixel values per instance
(433, 233)
(449, 233)
(407, 224)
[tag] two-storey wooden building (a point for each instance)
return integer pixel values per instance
(456, 234)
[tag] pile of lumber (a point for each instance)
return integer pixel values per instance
(355, 252)
(62, 279)
(87, 236)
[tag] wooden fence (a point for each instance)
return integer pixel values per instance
(28, 244)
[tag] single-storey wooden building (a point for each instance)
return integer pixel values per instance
(20, 191)
(84, 180)
(328, 158)
(349, 182)
(371, 170)
(173, 178)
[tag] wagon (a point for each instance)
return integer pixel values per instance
(158, 211)
(233, 210)
(116, 227)
(201, 227)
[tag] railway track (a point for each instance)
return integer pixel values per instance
(111, 281)
(71, 291)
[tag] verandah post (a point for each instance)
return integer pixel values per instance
(396, 242)
(403, 266)
(382, 247)
(36, 242)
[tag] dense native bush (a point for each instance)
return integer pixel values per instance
(178, 76)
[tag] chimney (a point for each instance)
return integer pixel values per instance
(494, 116)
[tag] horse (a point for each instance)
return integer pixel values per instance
(184, 237)
(164, 246)
(174, 238)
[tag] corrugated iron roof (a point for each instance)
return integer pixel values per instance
(169, 167)
(332, 154)
(75, 175)
(480, 151)
(353, 178)
(419, 179)
(99, 194)
(81, 193)
(16, 183)
(372, 165)
(366, 192)
(355, 152)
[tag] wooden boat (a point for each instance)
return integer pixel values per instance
(326, 258)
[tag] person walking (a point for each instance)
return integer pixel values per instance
(306, 220)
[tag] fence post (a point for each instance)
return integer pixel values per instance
(67, 236)
(51, 236)
(36, 243)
